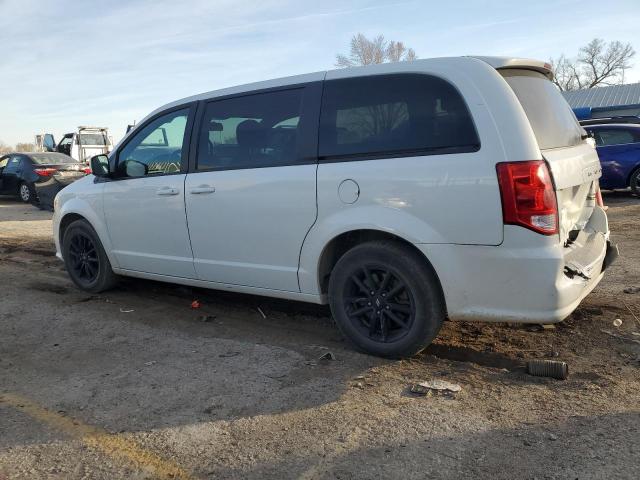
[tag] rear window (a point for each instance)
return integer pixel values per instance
(552, 120)
(56, 158)
(387, 115)
(92, 139)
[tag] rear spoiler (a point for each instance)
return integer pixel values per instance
(500, 63)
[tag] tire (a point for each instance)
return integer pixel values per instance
(85, 259)
(405, 311)
(26, 192)
(634, 182)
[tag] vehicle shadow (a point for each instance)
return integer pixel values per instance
(619, 197)
(586, 447)
(140, 358)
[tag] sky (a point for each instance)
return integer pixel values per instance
(65, 63)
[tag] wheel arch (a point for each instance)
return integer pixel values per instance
(67, 220)
(342, 243)
(631, 173)
(75, 209)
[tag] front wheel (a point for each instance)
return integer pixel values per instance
(386, 299)
(85, 258)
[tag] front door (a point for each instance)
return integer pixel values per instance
(251, 198)
(10, 175)
(3, 164)
(144, 203)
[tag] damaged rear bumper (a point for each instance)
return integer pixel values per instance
(529, 278)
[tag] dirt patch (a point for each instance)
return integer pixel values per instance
(244, 396)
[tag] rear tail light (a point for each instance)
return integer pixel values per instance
(45, 172)
(528, 198)
(87, 170)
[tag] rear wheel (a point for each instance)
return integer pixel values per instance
(26, 192)
(385, 299)
(85, 258)
(634, 182)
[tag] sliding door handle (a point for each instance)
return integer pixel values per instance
(202, 189)
(167, 191)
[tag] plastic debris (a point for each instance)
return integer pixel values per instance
(261, 312)
(435, 386)
(617, 322)
(548, 368)
(148, 364)
(207, 318)
(631, 290)
(548, 326)
(195, 304)
(327, 357)
(126, 310)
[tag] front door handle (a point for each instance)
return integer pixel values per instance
(167, 191)
(202, 189)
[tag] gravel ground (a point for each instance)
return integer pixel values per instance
(133, 383)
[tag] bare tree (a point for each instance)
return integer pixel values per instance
(597, 63)
(4, 148)
(25, 147)
(364, 51)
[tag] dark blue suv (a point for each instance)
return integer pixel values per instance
(618, 146)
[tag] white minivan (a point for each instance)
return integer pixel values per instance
(401, 194)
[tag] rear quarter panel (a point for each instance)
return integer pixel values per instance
(433, 199)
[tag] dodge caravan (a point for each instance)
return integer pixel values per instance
(401, 194)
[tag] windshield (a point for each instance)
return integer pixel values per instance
(552, 120)
(93, 139)
(56, 158)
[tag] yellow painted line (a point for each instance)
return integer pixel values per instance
(113, 445)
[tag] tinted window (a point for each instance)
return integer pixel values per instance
(93, 139)
(159, 157)
(552, 120)
(394, 113)
(614, 137)
(252, 131)
(12, 165)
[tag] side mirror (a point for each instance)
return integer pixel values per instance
(100, 165)
(133, 168)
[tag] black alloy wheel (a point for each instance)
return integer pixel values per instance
(83, 258)
(386, 298)
(379, 304)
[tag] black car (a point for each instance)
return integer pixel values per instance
(37, 177)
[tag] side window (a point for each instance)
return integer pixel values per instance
(252, 131)
(390, 114)
(615, 137)
(157, 148)
(12, 165)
